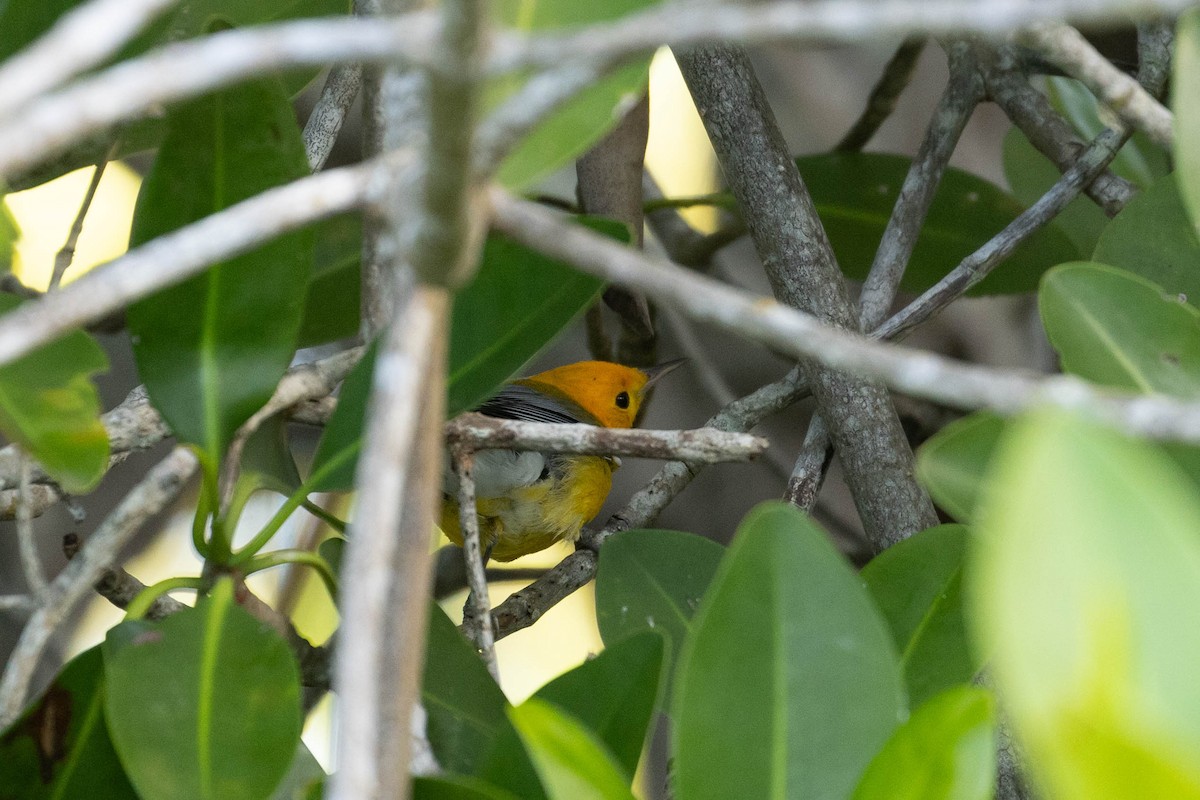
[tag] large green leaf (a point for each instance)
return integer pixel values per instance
(855, 192)
(613, 695)
(336, 457)
(951, 464)
(917, 586)
(1153, 237)
(60, 747)
(1185, 91)
(333, 298)
(304, 777)
(1140, 160)
(466, 721)
(582, 121)
(212, 348)
(1117, 329)
(454, 787)
(945, 751)
(653, 580)
(790, 682)
(1030, 175)
(205, 704)
(571, 762)
(1080, 587)
(49, 406)
(518, 301)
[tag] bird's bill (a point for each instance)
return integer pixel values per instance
(653, 374)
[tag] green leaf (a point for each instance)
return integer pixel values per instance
(49, 406)
(613, 695)
(212, 348)
(203, 705)
(332, 300)
(1080, 587)
(653, 580)
(917, 586)
(571, 762)
(855, 192)
(466, 721)
(303, 777)
(517, 303)
(789, 683)
(1030, 175)
(455, 787)
(1117, 329)
(1185, 95)
(952, 463)
(1153, 237)
(582, 121)
(60, 747)
(336, 457)
(575, 128)
(945, 751)
(1140, 160)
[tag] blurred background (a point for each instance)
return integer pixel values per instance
(1001, 331)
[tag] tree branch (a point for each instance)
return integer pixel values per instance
(896, 75)
(701, 446)
(328, 115)
(148, 498)
(1066, 48)
(800, 264)
(85, 36)
(962, 95)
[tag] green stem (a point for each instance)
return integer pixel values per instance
(277, 558)
(260, 540)
(323, 515)
(138, 607)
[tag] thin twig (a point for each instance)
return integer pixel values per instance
(896, 75)
(158, 489)
(701, 446)
(1045, 129)
(66, 254)
(1066, 48)
(31, 562)
(975, 267)
(83, 37)
(310, 381)
(477, 611)
(329, 114)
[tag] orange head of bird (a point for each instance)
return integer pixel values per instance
(612, 394)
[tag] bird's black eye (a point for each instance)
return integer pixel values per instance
(623, 400)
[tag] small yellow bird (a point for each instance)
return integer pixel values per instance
(526, 501)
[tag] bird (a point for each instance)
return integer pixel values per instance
(527, 501)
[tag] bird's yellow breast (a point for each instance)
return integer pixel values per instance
(531, 518)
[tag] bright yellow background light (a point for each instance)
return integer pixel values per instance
(45, 214)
